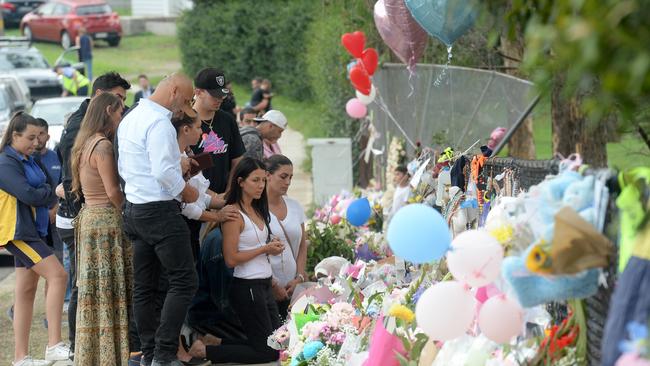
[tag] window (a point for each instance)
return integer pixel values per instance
(61, 9)
(46, 9)
(100, 9)
(10, 61)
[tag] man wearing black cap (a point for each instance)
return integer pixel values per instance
(210, 91)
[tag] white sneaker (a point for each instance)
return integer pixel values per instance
(58, 352)
(29, 361)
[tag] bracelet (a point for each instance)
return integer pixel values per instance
(302, 278)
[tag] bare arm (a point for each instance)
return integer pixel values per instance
(232, 255)
(105, 161)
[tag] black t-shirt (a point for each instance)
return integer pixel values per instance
(257, 97)
(224, 125)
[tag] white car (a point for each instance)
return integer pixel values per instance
(56, 112)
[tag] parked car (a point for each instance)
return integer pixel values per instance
(10, 103)
(60, 20)
(14, 10)
(18, 91)
(56, 112)
(19, 58)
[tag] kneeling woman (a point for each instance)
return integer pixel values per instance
(247, 245)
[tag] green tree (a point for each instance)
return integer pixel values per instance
(593, 58)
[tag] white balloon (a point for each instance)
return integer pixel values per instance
(367, 99)
(501, 318)
(475, 257)
(445, 310)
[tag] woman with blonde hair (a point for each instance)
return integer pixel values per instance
(104, 254)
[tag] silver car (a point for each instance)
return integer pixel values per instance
(55, 111)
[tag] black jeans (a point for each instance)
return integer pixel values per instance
(68, 239)
(258, 313)
(161, 242)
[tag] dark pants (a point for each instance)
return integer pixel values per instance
(258, 313)
(161, 242)
(67, 237)
(210, 311)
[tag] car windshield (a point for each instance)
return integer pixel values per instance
(13, 60)
(54, 113)
(94, 9)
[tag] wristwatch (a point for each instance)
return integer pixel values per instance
(302, 278)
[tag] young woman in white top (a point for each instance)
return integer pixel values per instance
(288, 224)
(247, 246)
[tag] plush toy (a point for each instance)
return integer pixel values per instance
(579, 195)
(532, 289)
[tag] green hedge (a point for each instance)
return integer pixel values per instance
(297, 45)
(247, 38)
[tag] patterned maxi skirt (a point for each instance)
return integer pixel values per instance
(105, 283)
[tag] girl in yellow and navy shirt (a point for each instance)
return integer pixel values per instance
(25, 195)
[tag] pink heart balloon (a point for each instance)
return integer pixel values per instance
(400, 31)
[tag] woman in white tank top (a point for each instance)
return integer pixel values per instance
(247, 245)
(287, 222)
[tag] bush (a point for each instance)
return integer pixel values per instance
(248, 38)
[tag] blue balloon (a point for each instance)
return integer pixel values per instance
(446, 20)
(419, 234)
(359, 212)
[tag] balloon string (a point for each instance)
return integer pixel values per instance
(443, 75)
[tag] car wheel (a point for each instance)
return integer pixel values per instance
(66, 42)
(27, 32)
(114, 42)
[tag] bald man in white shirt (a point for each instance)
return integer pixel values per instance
(149, 162)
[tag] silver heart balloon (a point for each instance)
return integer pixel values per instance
(400, 31)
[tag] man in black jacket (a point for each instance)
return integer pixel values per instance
(110, 82)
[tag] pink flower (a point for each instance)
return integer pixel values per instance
(337, 338)
(312, 330)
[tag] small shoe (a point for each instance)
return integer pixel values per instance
(197, 362)
(58, 352)
(29, 361)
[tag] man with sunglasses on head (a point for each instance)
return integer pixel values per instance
(69, 207)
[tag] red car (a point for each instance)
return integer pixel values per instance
(59, 21)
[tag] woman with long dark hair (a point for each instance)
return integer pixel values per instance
(104, 254)
(247, 245)
(25, 196)
(288, 223)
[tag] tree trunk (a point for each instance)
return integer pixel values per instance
(572, 132)
(522, 143)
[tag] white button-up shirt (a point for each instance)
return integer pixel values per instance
(149, 158)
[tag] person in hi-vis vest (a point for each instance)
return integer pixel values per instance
(74, 82)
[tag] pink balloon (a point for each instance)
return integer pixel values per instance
(486, 292)
(355, 108)
(501, 319)
(445, 311)
(475, 258)
(335, 219)
(400, 31)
